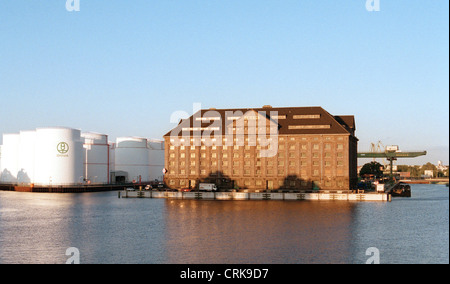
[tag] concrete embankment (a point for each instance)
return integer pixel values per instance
(316, 196)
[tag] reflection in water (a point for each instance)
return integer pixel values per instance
(39, 227)
(258, 232)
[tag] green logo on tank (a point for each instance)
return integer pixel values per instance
(63, 148)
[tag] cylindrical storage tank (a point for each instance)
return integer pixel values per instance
(132, 156)
(26, 157)
(112, 157)
(96, 158)
(156, 159)
(58, 156)
(10, 158)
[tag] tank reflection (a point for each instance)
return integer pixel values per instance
(258, 231)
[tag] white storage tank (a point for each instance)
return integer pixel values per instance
(10, 158)
(96, 158)
(58, 156)
(132, 157)
(26, 157)
(156, 159)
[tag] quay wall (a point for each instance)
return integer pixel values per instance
(257, 195)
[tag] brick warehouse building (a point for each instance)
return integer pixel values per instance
(295, 148)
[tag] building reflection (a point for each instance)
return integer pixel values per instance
(258, 232)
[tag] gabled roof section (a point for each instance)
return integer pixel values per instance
(291, 121)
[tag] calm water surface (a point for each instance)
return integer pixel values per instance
(38, 228)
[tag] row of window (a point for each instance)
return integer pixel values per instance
(327, 146)
(256, 117)
(270, 172)
(279, 183)
(258, 163)
(252, 139)
(248, 155)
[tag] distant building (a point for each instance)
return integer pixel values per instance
(441, 167)
(263, 148)
(428, 174)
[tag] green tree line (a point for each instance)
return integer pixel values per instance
(376, 169)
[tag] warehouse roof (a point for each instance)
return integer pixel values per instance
(289, 120)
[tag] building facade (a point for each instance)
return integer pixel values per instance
(298, 148)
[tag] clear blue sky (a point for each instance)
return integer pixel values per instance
(122, 67)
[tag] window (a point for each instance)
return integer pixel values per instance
(307, 116)
(340, 146)
(325, 126)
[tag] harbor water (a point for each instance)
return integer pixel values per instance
(40, 227)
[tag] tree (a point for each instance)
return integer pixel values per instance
(429, 167)
(372, 168)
